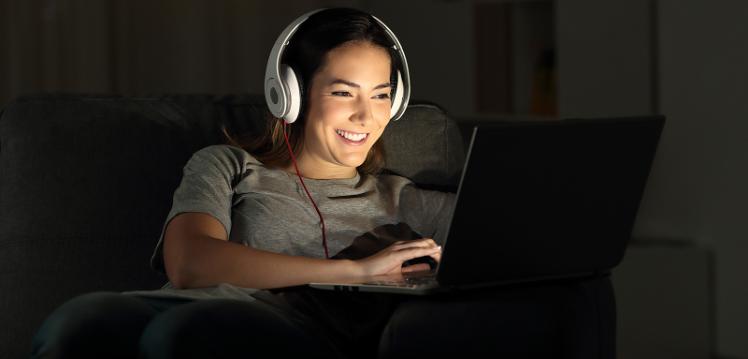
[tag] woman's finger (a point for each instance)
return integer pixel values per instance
(416, 267)
(413, 244)
(420, 252)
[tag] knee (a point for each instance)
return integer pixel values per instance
(88, 322)
(228, 328)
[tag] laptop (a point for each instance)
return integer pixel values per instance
(537, 200)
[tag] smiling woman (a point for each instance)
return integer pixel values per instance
(241, 226)
(349, 107)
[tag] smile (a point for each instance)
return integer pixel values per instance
(352, 137)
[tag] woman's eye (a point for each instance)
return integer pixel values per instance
(341, 93)
(383, 96)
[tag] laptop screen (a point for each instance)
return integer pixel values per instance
(551, 198)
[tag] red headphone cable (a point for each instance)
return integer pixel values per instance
(293, 159)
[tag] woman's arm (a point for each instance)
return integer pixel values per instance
(197, 253)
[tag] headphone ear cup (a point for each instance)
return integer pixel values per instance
(398, 101)
(294, 93)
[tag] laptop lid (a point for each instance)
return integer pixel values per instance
(547, 199)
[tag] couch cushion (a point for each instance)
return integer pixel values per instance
(425, 146)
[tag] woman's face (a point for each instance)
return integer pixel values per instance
(349, 107)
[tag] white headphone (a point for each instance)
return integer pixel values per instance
(282, 92)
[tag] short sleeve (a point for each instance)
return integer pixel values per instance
(207, 184)
(426, 211)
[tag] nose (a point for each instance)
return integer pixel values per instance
(363, 113)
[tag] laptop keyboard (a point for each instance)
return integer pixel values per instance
(408, 281)
(421, 280)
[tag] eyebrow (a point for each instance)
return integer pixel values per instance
(353, 84)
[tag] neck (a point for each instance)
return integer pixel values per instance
(310, 168)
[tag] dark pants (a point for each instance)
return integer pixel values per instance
(565, 320)
(115, 325)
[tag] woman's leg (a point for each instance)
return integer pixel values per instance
(572, 318)
(352, 320)
(93, 325)
(511, 323)
(227, 328)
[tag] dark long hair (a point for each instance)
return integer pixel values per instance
(322, 32)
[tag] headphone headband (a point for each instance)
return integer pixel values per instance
(282, 87)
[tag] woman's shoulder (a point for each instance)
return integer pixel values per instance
(394, 183)
(391, 180)
(223, 161)
(406, 186)
(224, 154)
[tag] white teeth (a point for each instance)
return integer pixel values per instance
(356, 137)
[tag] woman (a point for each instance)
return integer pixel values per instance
(252, 222)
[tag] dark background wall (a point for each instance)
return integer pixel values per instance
(682, 286)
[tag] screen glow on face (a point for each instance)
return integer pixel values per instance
(349, 107)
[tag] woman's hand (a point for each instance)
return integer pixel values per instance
(390, 259)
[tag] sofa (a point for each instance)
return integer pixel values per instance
(86, 182)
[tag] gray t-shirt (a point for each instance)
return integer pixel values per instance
(268, 209)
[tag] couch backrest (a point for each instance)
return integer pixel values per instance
(76, 162)
(86, 183)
